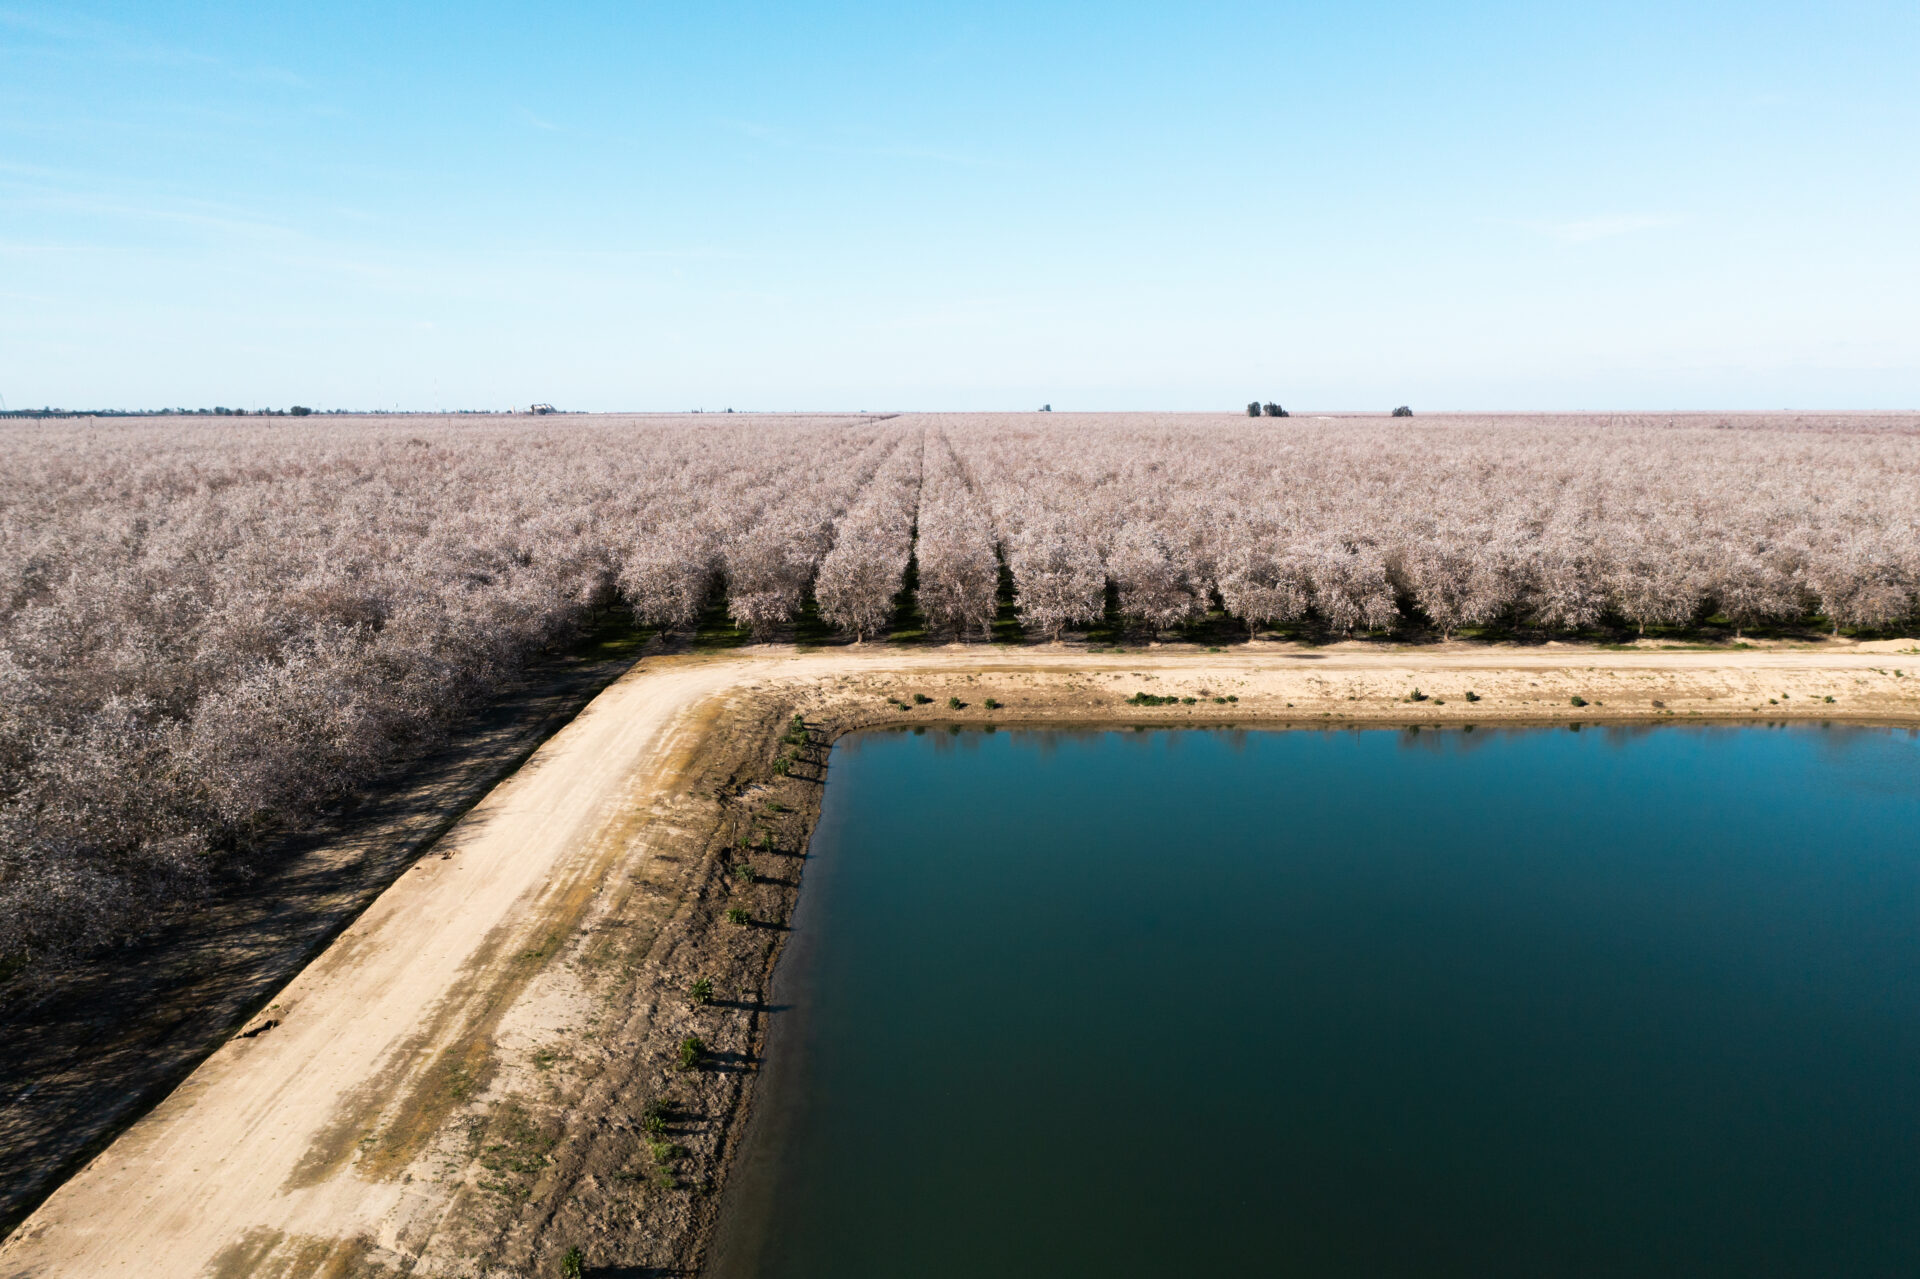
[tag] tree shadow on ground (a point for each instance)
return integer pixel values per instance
(87, 1048)
(908, 625)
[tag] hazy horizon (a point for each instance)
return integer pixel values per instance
(279, 409)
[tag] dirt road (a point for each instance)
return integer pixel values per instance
(330, 1142)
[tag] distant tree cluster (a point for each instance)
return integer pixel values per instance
(210, 629)
(1256, 409)
(219, 410)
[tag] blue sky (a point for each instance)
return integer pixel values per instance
(1101, 206)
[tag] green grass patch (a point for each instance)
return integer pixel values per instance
(715, 630)
(611, 634)
(1006, 614)
(810, 630)
(908, 625)
(1215, 630)
(519, 1146)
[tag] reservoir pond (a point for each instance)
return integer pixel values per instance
(1524, 1002)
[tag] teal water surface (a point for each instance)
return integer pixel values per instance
(1373, 1003)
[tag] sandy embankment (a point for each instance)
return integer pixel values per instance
(343, 1139)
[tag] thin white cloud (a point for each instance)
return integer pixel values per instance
(1603, 227)
(98, 38)
(70, 29)
(268, 74)
(875, 149)
(84, 38)
(754, 129)
(197, 213)
(26, 248)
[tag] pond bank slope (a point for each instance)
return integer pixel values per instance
(508, 1054)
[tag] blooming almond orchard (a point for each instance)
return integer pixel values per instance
(209, 630)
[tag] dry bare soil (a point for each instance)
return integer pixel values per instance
(485, 1068)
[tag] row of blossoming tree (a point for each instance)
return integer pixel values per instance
(209, 630)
